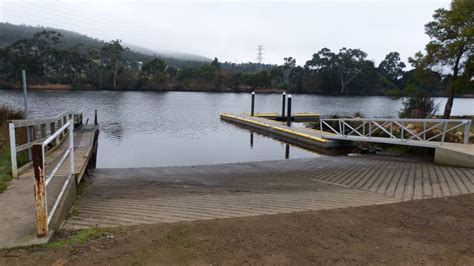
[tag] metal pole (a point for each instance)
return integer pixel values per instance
(11, 127)
(283, 105)
(25, 94)
(467, 127)
(71, 147)
(95, 117)
(252, 107)
(288, 118)
(25, 100)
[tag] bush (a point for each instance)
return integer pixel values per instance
(418, 106)
(9, 113)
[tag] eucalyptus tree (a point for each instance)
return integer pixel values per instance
(451, 45)
(392, 67)
(112, 58)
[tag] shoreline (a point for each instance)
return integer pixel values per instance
(262, 91)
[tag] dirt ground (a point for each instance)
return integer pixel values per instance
(430, 231)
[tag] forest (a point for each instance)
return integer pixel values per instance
(56, 57)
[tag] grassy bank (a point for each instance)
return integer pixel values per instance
(6, 113)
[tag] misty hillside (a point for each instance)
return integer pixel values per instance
(11, 33)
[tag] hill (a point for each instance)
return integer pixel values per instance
(11, 33)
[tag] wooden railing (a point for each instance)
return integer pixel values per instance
(26, 132)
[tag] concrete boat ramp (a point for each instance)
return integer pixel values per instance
(121, 197)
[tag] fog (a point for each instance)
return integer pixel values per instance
(232, 31)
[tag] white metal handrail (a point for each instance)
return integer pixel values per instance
(42, 180)
(37, 130)
(364, 128)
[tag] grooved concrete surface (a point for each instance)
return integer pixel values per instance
(171, 194)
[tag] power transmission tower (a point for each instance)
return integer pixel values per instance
(260, 54)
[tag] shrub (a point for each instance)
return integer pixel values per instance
(418, 106)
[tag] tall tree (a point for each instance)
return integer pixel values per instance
(451, 43)
(392, 67)
(349, 63)
(112, 57)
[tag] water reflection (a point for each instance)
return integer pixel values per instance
(251, 140)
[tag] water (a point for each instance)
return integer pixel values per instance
(146, 129)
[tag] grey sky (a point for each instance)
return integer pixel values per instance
(231, 31)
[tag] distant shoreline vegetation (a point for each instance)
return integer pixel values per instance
(68, 87)
(59, 59)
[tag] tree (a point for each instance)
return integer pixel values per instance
(112, 58)
(451, 44)
(349, 64)
(392, 67)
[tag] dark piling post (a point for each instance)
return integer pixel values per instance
(288, 118)
(287, 151)
(95, 117)
(283, 105)
(252, 107)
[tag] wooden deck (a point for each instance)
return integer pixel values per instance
(172, 194)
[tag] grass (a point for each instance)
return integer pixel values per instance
(6, 113)
(77, 238)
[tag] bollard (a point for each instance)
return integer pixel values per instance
(95, 117)
(288, 113)
(252, 107)
(283, 106)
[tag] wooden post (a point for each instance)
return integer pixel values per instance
(95, 117)
(40, 191)
(252, 107)
(288, 118)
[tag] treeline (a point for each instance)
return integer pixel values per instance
(110, 65)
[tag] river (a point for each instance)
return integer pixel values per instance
(147, 129)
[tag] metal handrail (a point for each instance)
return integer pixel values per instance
(365, 127)
(41, 129)
(43, 215)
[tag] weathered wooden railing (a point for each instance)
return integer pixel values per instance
(415, 132)
(43, 179)
(24, 133)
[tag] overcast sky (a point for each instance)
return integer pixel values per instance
(232, 31)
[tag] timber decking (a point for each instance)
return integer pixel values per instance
(172, 194)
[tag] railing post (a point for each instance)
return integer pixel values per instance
(467, 128)
(288, 113)
(424, 130)
(40, 191)
(252, 105)
(283, 105)
(401, 131)
(14, 163)
(370, 129)
(28, 140)
(71, 147)
(444, 132)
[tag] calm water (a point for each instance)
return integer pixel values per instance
(145, 129)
